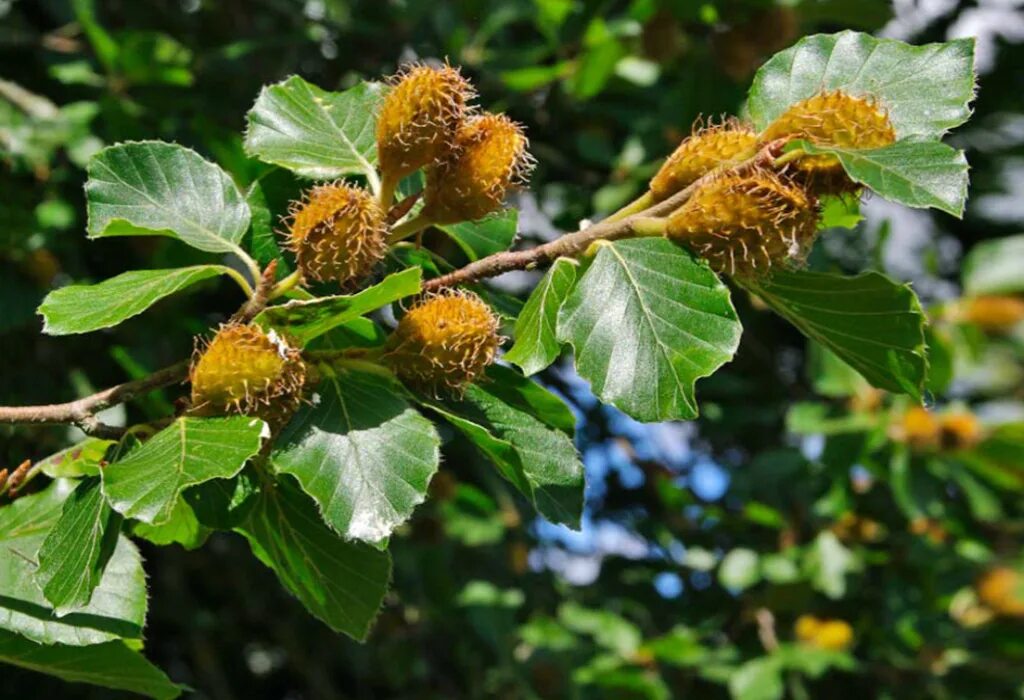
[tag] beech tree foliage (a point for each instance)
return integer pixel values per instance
(316, 432)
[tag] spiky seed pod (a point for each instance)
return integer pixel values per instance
(851, 527)
(707, 148)
(959, 430)
(995, 314)
(445, 342)
(245, 370)
(918, 428)
(929, 528)
(419, 117)
(338, 232)
(832, 635)
(487, 159)
(832, 118)
(745, 224)
(1001, 589)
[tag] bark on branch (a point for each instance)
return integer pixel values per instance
(575, 243)
(82, 412)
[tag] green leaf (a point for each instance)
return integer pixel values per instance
(758, 679)
(315, 133)
(492, 234)
(472, 518)
(154, 188)
(646, 321)
(146, 484)
(539, 460)
(828, 562)
(363, 454)
(341, 583)
(117, 607)
(873, 324)
(811, 661)
(739, 569)
(83, 308)
(609, 630)
(77, 549)
(305, 320)
(78, 460)
(917, 173)
(537, 344)
(999, 458)
(223, 504)
(109, 665)
(829, 375)
(840, 211)
(183, 527)
(269, 197)
(925, 90)
(530, 397)
(993, 267)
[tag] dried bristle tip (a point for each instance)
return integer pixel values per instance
(833, 118)
(445, 342)
(745, 224)
(245, 370)
(706, 149)
(419, 117)
(339, 233)
(488, 157)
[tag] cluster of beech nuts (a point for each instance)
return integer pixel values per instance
(742, 220)
(339, 234)
(745, 221)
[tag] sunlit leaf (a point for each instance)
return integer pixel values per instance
(362, 453)
(925, 90)
(155, 188)
(84, 308)
(646, 321)
(313, 132)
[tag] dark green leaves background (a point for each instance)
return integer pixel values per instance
(482, 605)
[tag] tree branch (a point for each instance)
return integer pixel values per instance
(259, 299)
(575, 243)
(82, 412)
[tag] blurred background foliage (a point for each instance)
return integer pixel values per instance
(808, 537)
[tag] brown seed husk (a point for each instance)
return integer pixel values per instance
(707, 148)
(419, 117)
(832, 118)
(746, 224)
(445, 342)
(245, 370)
(487, 159)
(338, 233)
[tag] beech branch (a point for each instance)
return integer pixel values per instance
(573, 244)
(82, 412)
